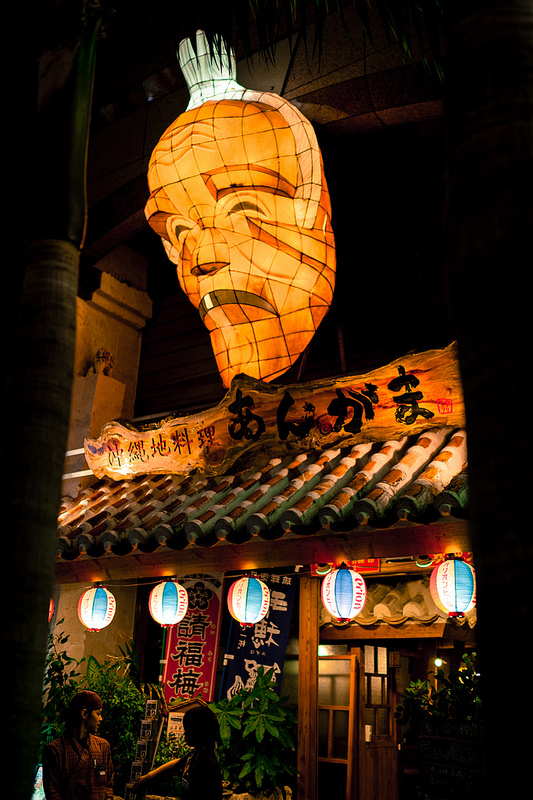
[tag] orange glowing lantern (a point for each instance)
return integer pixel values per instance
(239, 197)
(453, 586)
(248, 601)
(50, 610)
(343, 593)
(168, 603)
(96, 608)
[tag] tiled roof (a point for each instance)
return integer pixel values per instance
(365, 487)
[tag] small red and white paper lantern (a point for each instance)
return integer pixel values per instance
(343, 593)
(453, 586)
(248, 600)
(168, 603)
(96, 608)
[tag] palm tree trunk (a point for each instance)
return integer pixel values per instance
(489, 115)
(35, 423)
(38, 395)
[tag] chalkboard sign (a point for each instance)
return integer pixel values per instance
(451, 760)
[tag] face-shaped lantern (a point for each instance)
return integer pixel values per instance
(239, 198)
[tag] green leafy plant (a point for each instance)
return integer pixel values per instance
(257, 733)
(117, 682)
(124, 705)
(61, 682)
(455, 697)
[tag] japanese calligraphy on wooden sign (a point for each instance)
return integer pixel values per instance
(192, 645)
(410, 395)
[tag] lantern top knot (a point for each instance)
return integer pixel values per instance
(210, 73)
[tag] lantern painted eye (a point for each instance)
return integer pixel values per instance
(245, 205)
(245, 200)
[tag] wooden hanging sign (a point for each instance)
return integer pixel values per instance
(414, 393)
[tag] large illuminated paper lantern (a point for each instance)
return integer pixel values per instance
(96, 608)
(453, 586)
(168, 603)
(343, 593)
(238, 195)
(248, 600)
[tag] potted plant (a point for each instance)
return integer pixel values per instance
(445, 723)
(257, 729)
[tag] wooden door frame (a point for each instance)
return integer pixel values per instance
(307, 756)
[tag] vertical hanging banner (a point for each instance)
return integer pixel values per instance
(263, 644)
(192, 645)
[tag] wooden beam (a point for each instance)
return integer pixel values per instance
(307, 763)
(290, 549)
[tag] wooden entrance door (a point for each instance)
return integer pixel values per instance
(378, 748)
(337, 725)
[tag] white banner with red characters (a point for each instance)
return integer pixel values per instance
(192, 645)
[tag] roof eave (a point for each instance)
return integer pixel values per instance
(324, 546)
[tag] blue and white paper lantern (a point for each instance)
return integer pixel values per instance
(248, 600)
(96, 608)
(343, 593)
(453, 586)
(168, 603)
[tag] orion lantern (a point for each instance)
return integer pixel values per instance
(96, 608)
(343, 593)
(248, 601)
(168, 603)
(453, 586)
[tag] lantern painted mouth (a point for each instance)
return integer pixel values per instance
(233, 296)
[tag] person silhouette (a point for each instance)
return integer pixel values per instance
(201, 778)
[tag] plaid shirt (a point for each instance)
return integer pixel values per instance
(78, 770)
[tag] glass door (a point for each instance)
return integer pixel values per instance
(377, 695)
(336, 696)
(378, 756)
